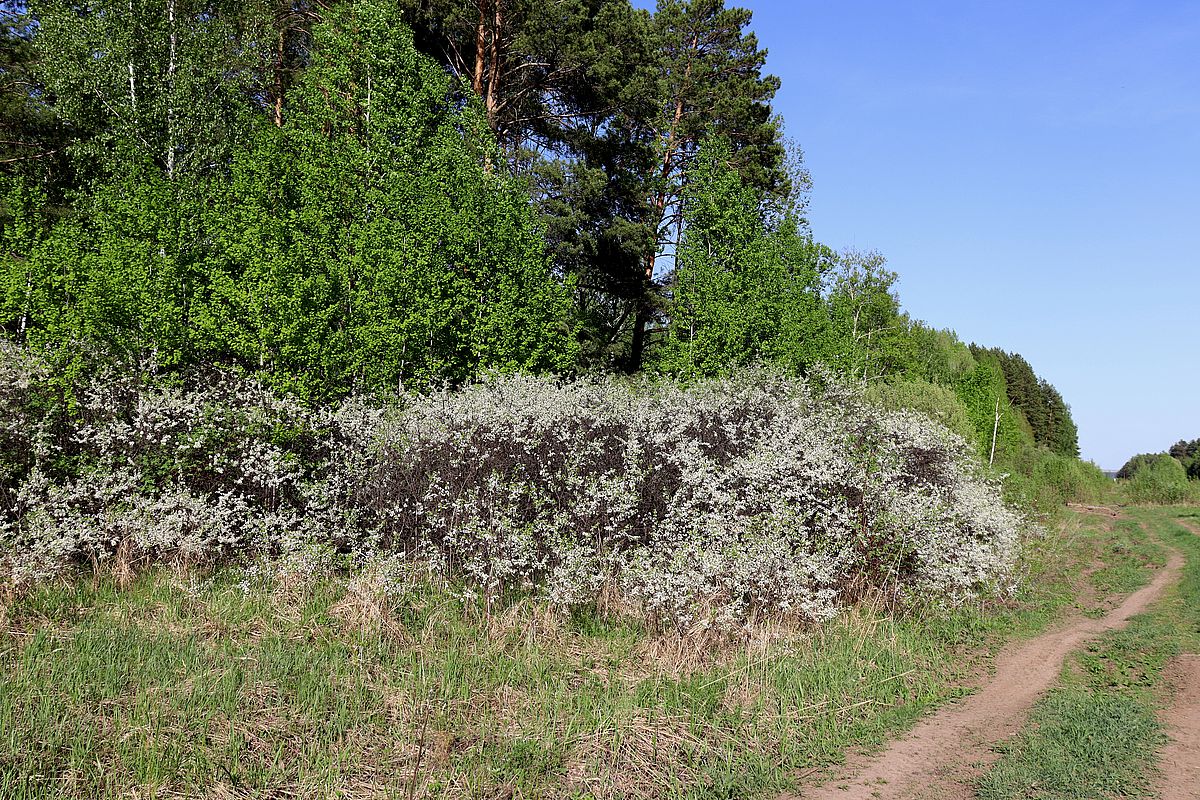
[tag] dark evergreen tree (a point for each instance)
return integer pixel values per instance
(33, 141)
(1043, 407)
(1188, 454)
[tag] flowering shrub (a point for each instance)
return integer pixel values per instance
(736, 497)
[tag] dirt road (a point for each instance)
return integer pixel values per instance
(943, 756)
(1180, 761)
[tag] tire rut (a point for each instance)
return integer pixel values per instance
(1180, 760)
(943, 756)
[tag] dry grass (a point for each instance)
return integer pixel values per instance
(198, 683)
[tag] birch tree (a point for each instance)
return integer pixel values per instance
(165, 82)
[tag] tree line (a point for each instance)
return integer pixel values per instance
(1186, 453)
(342, 195)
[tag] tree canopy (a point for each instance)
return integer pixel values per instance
(367, 195)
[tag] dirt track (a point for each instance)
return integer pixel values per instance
(1180, 762)
(1181, 757)
(943, 756)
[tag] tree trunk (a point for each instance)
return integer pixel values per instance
(995, 431)
(132, 80)
(171, 47)
(280, 55)
(662, 199)
(492, 101)
(480, 44)
(637, 348)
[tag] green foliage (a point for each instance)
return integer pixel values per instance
(750, 286)
(1063, 437)
(367, 243)
(305, 192)
(983, 392)
(170, 83)
(941, 403)
(22, 228)
(1043, 407)
(1188, 454)
(32, 139)
(370, 238)
(1045, 481)
(1160, 479)
(747, 287)
(114, 279)
(1134, 465)
(938, 356)
(871, 333)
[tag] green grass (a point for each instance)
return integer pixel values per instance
(1096, 736)
(210, 685)
(1130, 551)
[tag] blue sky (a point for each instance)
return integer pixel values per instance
(1032, 172)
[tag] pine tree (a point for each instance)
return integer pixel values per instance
(709, 79)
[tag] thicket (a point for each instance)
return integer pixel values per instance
(1160, 479)
(353, 201)
(363, 243)
(712, 504)
(1170, 477)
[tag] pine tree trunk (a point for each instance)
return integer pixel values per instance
(637, 350)
(492, 101)
(480, 44)
(279, 58)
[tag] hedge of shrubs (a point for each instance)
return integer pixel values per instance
(757, 494)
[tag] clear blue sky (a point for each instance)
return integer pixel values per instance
(1032, 172)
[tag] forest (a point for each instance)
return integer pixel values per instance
(362, 197)
(226, 226)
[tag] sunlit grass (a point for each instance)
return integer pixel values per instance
(212, 685)
(1097, 735)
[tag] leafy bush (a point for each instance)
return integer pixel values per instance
(939, 403)
(1134, 465)
(735, 497)
(1049, 480)
(1159, 479)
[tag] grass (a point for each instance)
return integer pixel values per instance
(194, 685)
(1097, 735)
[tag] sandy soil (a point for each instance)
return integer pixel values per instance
(943, 756)
(1181, 757)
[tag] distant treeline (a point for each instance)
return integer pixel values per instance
(1185, 452)
(1169, 477)
(393, 195)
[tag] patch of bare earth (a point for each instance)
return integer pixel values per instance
(944, 755)
(1180, 762)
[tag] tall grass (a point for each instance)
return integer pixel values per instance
(248, 681)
